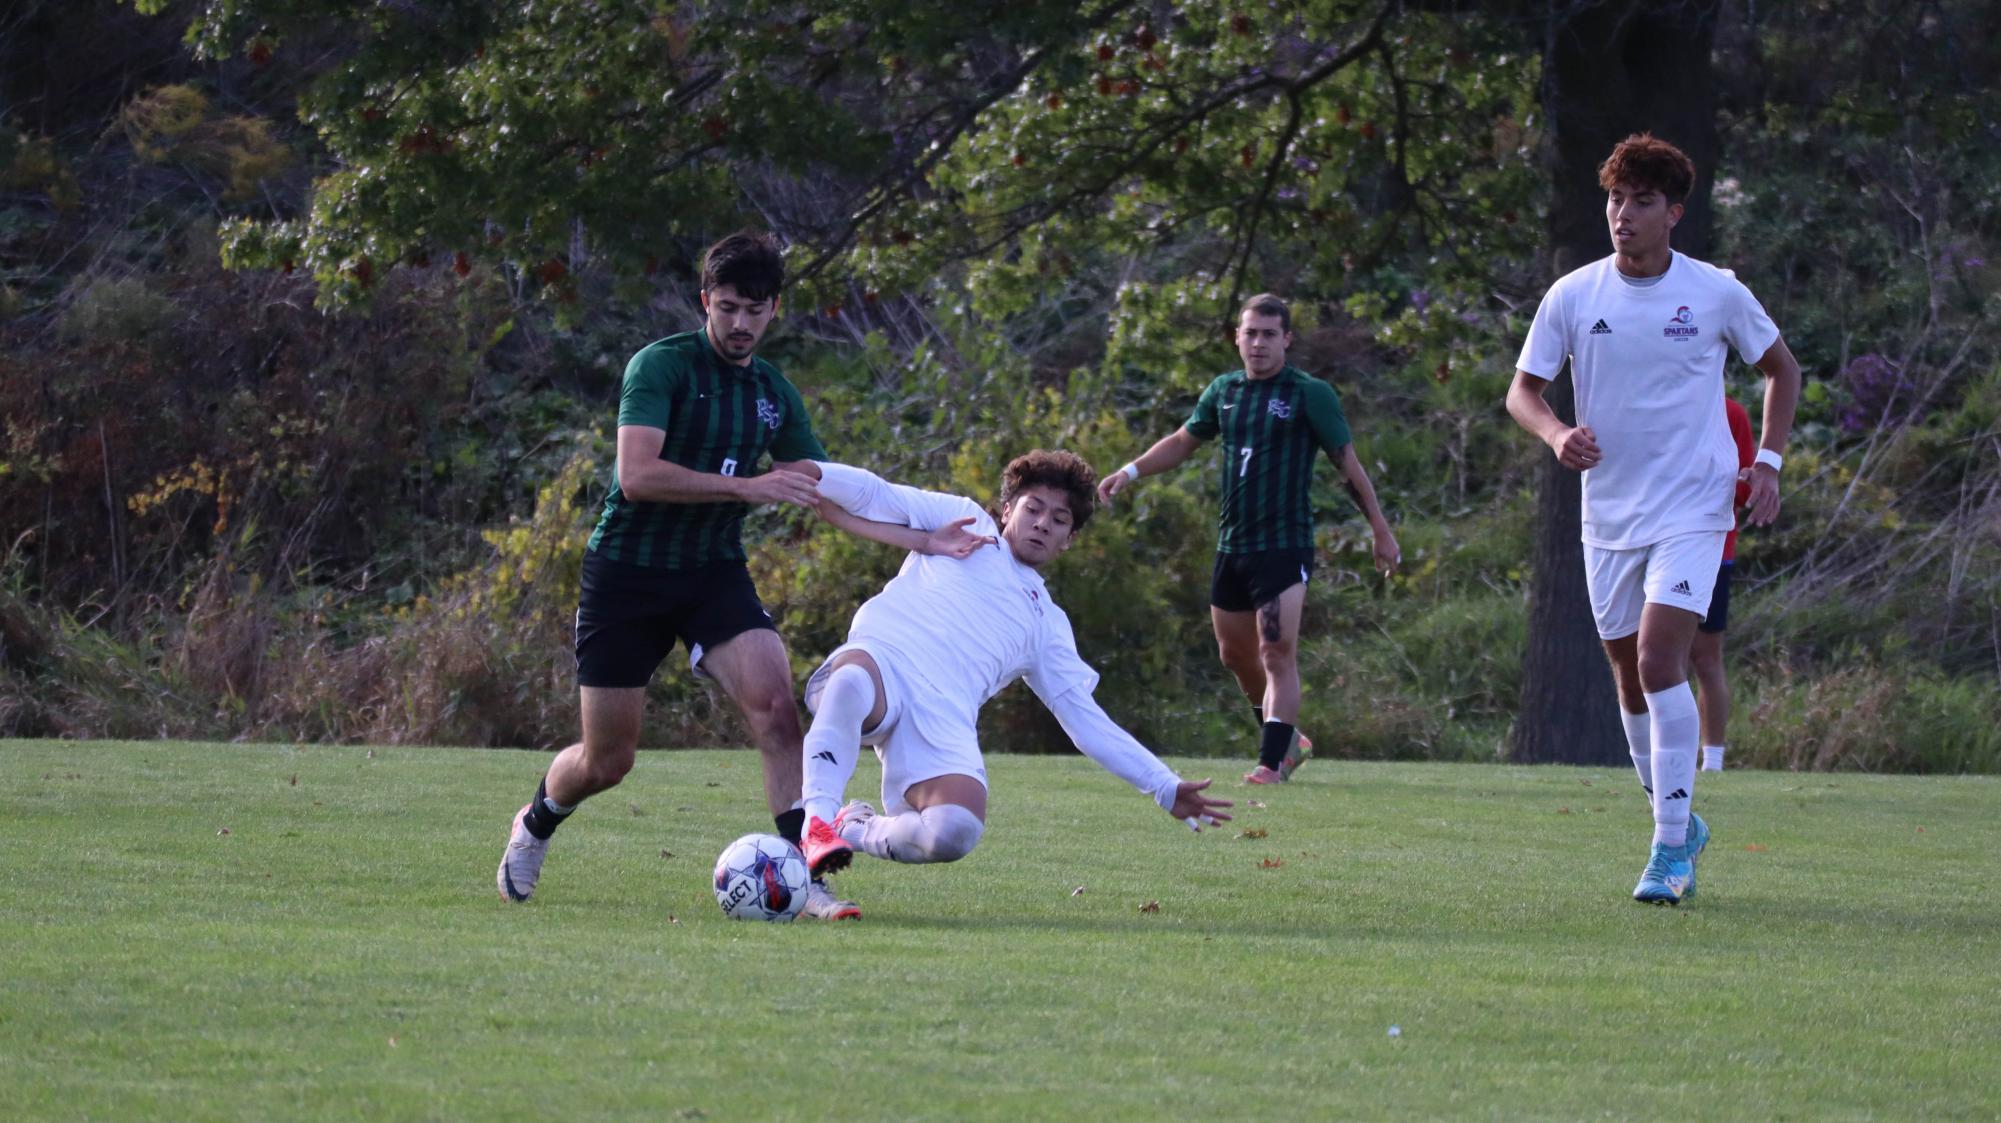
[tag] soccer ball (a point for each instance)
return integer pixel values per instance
(761, 877)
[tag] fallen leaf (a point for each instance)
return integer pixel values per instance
(666, 853)
(1150, 906)
(1253, 832)
(1754, 848)
(223, 831)
(672, 919)
(1077, 892)
(1563, 811)
(634, 808)
(295, 780)
(1258, 803)
(1586, 783)
(1271, 863)
(711, 784)
(1921, 830)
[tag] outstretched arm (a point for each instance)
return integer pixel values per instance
(1167, 453)
(645, 478)
(1097, 736)
(864, 493)
(1388, 556)
(954, 539)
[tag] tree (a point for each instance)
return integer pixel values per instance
(1609, 70)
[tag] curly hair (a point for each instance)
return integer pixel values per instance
(1064, 471)
(748, 261)
(1643, 160)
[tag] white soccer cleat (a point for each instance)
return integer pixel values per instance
(821, 904)
(521, 865)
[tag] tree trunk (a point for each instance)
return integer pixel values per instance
(1609, 69)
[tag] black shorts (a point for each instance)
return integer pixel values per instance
(628, 616)
(1719, 601)
(1242, 582)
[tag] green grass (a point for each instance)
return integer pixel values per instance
(341, 952)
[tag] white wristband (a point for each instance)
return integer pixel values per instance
(1772, 459)
(1131, 471)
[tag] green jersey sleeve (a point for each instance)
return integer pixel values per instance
(1323, 413)
(646, 395)
(795, 439)
(1202, 423)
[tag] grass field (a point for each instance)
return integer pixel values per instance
(280, 933)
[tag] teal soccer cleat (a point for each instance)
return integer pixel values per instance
(1668, 876)
(1698, 837)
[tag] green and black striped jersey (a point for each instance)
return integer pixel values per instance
(1272, 430)
(719, 418)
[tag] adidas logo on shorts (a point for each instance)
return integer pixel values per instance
(1681, 589)
(1601, 328)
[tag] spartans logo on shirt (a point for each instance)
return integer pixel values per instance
(768, 413)
(1682, 326)
(1281, 409)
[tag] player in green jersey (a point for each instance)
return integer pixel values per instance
(1272, 420)
(698, 412)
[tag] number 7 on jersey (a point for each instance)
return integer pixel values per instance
(1245, 466)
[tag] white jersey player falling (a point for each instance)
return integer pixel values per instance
(946, 635)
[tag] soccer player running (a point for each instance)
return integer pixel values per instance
(1705, 655)
(941, 638)
(1272, 418)
(1647, 332)
(697, 413)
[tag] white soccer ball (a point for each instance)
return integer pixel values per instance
(761, 877)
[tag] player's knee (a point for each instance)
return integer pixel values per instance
(605, 769)
(1278, 655)
(1661, 670)
(952, 832)
(769, 712)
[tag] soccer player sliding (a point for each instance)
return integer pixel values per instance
(1647, 331)
(941, 638)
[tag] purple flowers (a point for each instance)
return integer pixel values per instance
(1878, 394)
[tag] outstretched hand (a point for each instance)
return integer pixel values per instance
(953, 540)
(1191, 806)
(1113, 484)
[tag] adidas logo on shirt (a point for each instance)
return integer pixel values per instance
(1601, 328)
(1681, 589)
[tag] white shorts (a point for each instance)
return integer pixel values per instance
(1679, 572)
(918, 738)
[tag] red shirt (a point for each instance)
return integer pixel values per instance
(1747, 452)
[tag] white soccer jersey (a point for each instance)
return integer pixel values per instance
(1648, 366)
(964, 629)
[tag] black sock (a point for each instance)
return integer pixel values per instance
(1277, 738)
(791, 824)
(540, 821)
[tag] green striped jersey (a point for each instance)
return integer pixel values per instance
(719, 418)
(1271, 430)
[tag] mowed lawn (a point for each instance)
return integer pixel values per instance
(280, 933)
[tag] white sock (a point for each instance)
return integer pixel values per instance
(945, 833)
(834, 743)
(1640, 739)
(1712, 758)
(1677, 733)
